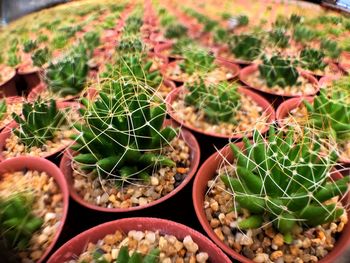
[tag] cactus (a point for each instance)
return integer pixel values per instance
(277, 71)
(279, 38)
(133, 25)
(135, 257)
(330, 115)
(122, 134)
(220, 35)
(245, 47)
(39, 123)
(13, 59)
(68, 75)
(197, 61)
(29, 45)
(130, 45)
(312, 59)
(41, 56)
(286, 181)
(17, 222)
(295, 19)
(91, 41)
(330, 48)
(175, 31)
(3, 109)
(218, 102)
(181, 45)
(303, 35)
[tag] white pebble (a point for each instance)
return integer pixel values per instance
(190, 245)
(150, 237)
(49, 216)
(202, 257)
(154, 180)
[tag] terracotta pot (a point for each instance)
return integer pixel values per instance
(8, 85)
(31, 76)
(167, 46)
(66, 168)
(344, 62)
(42, 165)
(246, 72)
(334, 71)
(234, 69)
(218, 51)
(77, 245)
(293, 103)
(7, 131)
(11, 100)
(268, 109)
(326, 81)
(207, 172)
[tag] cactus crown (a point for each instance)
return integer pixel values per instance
(3, 108)
(278, 71)
(330, 48)
(197, 61)
(295, 19)
(133, 24)
(130, 45)
(176, 31)
(17, 223)
(245, 47)
(312, 59)
(330, 116)
(283, 181)
(121, 135)
(39, 123)
(302, 34)
(279, 38)
(68, 75)
(40, 56)
(181, 45)
(135, 257)
(29, 45)
(218, 102)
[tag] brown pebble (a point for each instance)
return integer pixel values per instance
(275, 255)
(278, 240)
(219, 233)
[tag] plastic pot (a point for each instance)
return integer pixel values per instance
(77, 245)
(66, 168)
(246, 72)
(207, 172)
(263, 103)
(42, 165)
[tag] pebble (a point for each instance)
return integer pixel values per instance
(261, 258)
(190, 245)
(275, 255)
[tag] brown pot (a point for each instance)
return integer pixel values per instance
(7, 131)
(8, 85)
(207, 172)
(77, 245)
(234, 69)
(66, 168)
(246, 72)
(42, 165)
(242, 90)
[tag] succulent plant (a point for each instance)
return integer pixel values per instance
(220, 35)
(218, 102)
(175, 31)
(42, 39)
(329, 115)
(179, 47)
(68, 75)
(133, 24)
(284, 181)
(29, 45)
(17, 222)
(295, 19)
(245, 47)
(278, 71)
(59, 41)
(130, 45)
(125, 257)
(197, 61)
(279, 37)
(109, 22)
(91, 41)
(39, 123)
(13, 59)
(121, 135)
(3, 108)
(330, 48)
(302, 34)
(282, 22)
(40, 56)
(312, 59)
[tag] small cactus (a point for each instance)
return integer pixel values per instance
(29, 45)
(39, 123)
(122, 134)
(245, 47)
(278, 71)
(3, 109)
(284, 181)
(312, 59)
(41, 56)
(279, 38)
(218, 102)
(176, 31)
(130, 45)
(197, 61)
(330, 48)
(303, 35)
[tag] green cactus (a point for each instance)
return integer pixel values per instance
(242, 20)
(68, 75)
(279, 37)
(135, 257)
(130, 45)
(175, 31)
(17, 222)
(312, 59)
(13, 59)
(218, 102)
(133, 24)
(330, 48)
(39, 123)
(245, 47)
(91, 41)
(285, 181)
(278, 71)
(41, 56)
(295, 19)
(220, 35)
(181, 45)
(330, 115)
(122, 134)
(3, 109)
(29, 45)
(197, 61)
(303, 35)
